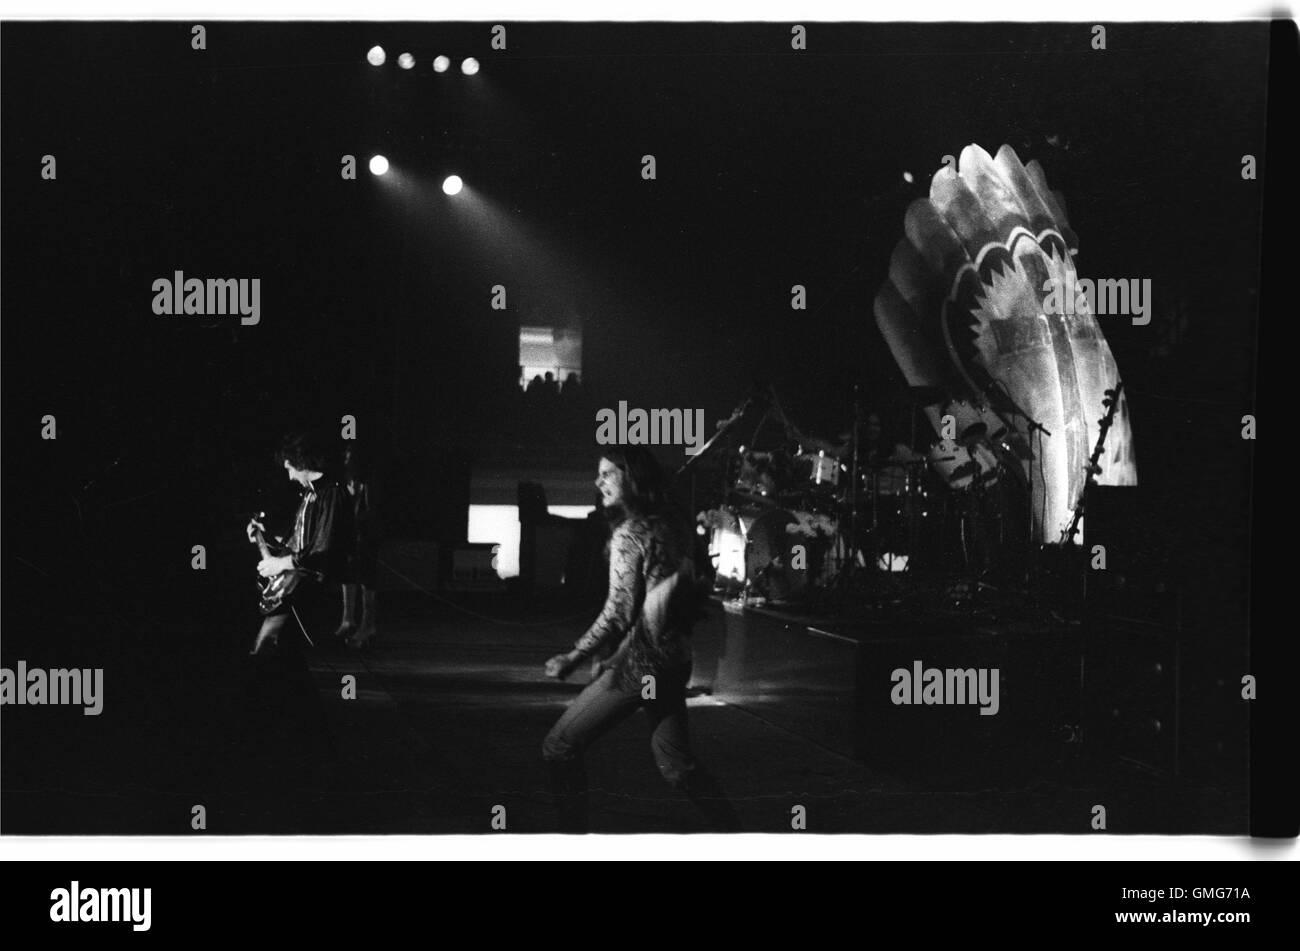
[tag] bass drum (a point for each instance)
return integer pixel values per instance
(773, 546)
(773, 553)
(727, 551)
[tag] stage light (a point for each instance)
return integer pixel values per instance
(499, 525)
(907, 177)
(889, 561)
(406, 61)
(469, 67)
(452, 184)
(376, 56)
(441, 64)
(378, 165)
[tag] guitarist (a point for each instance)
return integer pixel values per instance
(316, 550)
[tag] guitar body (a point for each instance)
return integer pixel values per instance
(275, 590)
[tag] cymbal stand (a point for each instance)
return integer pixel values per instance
(850, 568)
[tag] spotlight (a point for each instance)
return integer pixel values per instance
(907, 177)
(452, 184)
(440, 64)
(376, 56)
(378, 165)
(469, 67)
(406, 61)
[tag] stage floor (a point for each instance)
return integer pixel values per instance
(448, 720)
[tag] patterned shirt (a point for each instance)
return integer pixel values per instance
(644, 553)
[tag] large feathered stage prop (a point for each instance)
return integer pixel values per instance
(963, 314)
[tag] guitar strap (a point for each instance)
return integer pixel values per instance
(301, 626)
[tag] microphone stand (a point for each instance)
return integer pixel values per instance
(723, 428)
(853, 481)
(849, 569)
(1031, 425)
(1017, 410)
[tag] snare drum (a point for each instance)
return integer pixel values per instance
(888, 479)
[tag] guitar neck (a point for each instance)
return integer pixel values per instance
(263, 547)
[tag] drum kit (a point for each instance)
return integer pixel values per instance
(813, 515)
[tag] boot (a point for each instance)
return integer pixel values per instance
(348, 626)
(369, 626)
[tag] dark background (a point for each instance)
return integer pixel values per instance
(775, 167)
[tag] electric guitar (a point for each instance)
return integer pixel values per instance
(277, 587)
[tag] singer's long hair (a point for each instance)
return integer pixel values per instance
(646, 494)
(645, 490)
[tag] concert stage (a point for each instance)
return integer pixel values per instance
(451, 707)
(834, 682)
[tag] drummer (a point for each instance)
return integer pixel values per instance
(878, 451)
(884, 462)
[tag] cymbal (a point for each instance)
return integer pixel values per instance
(835, 450)
(905, 454)
(752, 498)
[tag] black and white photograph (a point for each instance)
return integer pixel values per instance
(477, 427)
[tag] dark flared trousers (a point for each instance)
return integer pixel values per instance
(603, 705)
